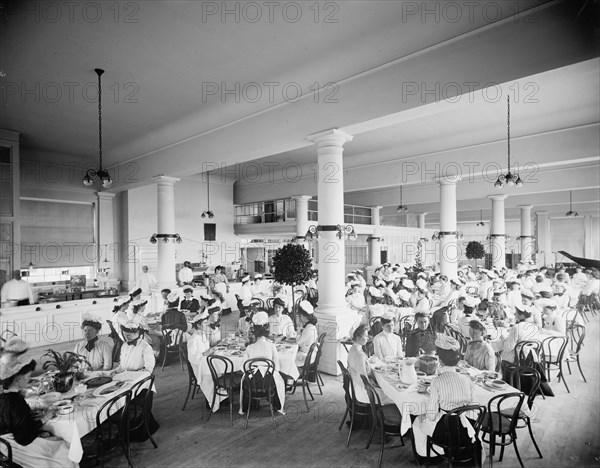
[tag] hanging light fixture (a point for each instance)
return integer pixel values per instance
(207, 213)
(480, 223)
(102, 174)
(508, 178)
(401, 206)
(571, 213)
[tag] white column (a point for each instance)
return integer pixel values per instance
(166, 225)
(374, 241)
(543, 238)
(498, 232)
(526, 238)
(448, 242)
(302, 214)
(334, 317)
(107, 248)
(421, 220)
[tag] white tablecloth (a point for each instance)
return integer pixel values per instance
(287, 365)
(72, 427)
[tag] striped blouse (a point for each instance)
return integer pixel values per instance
(449, 390)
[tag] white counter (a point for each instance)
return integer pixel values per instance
(53, 323)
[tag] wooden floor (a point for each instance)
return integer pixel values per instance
(567, 428)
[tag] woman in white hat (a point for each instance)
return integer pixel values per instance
(120, 314)
(97, 352)
(214, 322)
(449, 390)
(524, 330)
(136, 353)
(246, 291)
(199, 343)
(470, 304)
(309, 333)
(423, 303)
(387, 343)
(263, 348)
(19, 428)
(356, 298)
(554, 323)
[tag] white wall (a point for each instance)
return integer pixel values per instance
(568, 234)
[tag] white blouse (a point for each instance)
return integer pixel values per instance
(138, 357)
(100, 357)
(386, 345)
(280, 325)
(262, 349)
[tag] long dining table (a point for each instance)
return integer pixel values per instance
(73, 426)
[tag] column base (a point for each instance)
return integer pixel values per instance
(370, 273)
(336, 322)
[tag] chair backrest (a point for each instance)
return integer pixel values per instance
(527, 380)
(258, 376)
(527, 352)
(258, 302)
(270, 303)
(577, 333)
(118, 403)
(553, 348)
(225, 370)
(171, 339)
(309, 370)
(346, 382)
(458, 439)
(321, 341)
(113, 332)
(137, 391)
(6, 460)
(374, 401)
(458, 336)
(183, 354)
(570, 316)
(506, 425)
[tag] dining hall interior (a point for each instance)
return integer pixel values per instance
(159, 145)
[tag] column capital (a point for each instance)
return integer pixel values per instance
(105, 195)
(165, 180)
(497, 197)
(422, 213)
(541, 213)
(448, 179)
(525, 207)
(302, 197)
(331, 137)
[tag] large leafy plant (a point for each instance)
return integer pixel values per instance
(293, 267)
(65, 362)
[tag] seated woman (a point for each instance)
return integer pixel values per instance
(423, 303)
(120, 314)
(358, 364)
(20, 429)
(309, 331)
(280, 323)
(449, 390)
(524, 330)
(189, 303)
(439, 319)
(214, 323)
(387, 343)
(136, 353)
(199, 343)
(470, 307)
(479, 352)
(421, 338)
(175, 320)
(247, 310)
(97, 352)
(554, 323)
(263, 348)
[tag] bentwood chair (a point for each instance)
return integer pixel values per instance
(171, 341)
(527, 352)
(112, 429)
(192, 381)
(258, 384)
(258, 302)
(453, 438)
(405, 326)
(225, 381)
(141, 421)
(458, 336)
(527, 380)
(498, 424)
(553, 351)
(116, 351)
(308, 373)
(321, 341)
(6, 459)
(577, 336)
(270, 305)
(354, 408)
(385, 418)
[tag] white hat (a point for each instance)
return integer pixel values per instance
(13, 367)
(527, 293)
(135, 321)
(407, 283)
(245, 278)
(139, 303)
(471, 301)
(351, 275)
(421, 275)
(172, 297)
(307, 307)
(87, 317)
(123, 300)
(358, 272)
(421, 283)
(374, 292)
(199, 317)
(205, 297)
(490, 274)
(260, 318)
(545, 288)
(258, 276)
(524, 308)
(545, 302)
(562, 286)
(404, 295)
(387, 315)
(447, 342)
(379, 283)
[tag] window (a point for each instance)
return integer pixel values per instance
(210, 232)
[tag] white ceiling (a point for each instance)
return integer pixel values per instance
(160, 55)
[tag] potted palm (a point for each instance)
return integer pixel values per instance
(69, 366)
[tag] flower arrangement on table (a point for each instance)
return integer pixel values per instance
(69, 365)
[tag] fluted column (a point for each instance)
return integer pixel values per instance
(498, 232)
(166, 225)
(526, 237)
(335, 318)
(448, 242)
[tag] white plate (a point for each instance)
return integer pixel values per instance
(103, 390)
(51, 397)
